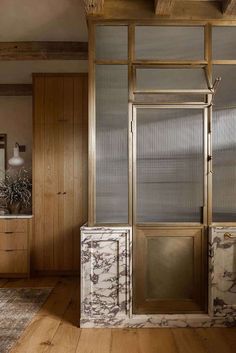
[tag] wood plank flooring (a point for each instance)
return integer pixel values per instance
(55, 329)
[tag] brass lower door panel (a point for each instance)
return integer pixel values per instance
(170, 270)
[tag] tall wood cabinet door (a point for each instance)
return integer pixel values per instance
(64, 239)
(38, 174)
(48, 100)
(60, 170)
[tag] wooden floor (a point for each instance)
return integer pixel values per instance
(55, 329)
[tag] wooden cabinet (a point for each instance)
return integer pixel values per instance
(60, 170)
(15, 237)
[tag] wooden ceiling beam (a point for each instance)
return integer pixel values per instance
(94, 7)
(16, 89)
(43, 51)
(229, 7)
(163, 7)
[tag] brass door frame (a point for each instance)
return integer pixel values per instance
(207, 161)
(139, 304)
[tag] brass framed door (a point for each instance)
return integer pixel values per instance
(170, 149)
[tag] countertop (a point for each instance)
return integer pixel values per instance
(18, 216)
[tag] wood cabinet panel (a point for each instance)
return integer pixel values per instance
(13, 261)
(13, 225)
(13, 241)
(60, 171)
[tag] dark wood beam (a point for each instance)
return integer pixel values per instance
(16, 89)
(94, 7)
(43, 50)
(229, 7)
(163, 7)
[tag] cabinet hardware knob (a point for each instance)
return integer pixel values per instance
(59, 193)
(64, 193)
(229, 236)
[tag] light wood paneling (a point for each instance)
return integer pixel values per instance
(60, 170)
(15, 247)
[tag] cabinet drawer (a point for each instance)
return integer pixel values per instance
(13, 241)
(13, 225)
(15, 261)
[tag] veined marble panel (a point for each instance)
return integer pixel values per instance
(106, 282)
(105, 273)
(223, 272)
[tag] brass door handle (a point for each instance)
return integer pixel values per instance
(229, 236)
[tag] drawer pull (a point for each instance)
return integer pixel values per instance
(229, 236)
(8, 232)
(9, 250)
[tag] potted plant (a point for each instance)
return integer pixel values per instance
(16, 189)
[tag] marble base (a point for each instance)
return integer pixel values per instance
(106, 282)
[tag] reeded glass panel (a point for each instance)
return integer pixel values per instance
(163, 43)
(111, 144)
(170, 165)
(224, 146)
(153, 98)
(224, 43)
(151, 79)
(111, 42)
(172, 257)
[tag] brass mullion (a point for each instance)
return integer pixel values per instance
(91, 128)
(131, 39)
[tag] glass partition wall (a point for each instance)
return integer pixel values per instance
(150, 164)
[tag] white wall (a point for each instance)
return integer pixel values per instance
(16, 122)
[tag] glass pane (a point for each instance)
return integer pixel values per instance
(223, 43)
(173, 257)
(170, 165)
(111, 144)
(154, 98)
(224, 146)
(167, 79)
(163, 43)
(112, 42)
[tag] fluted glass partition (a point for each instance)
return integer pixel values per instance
(111, 144)
(170, 165)
(224, 146)
(223, 43)
(169, 42)
(111, 42)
